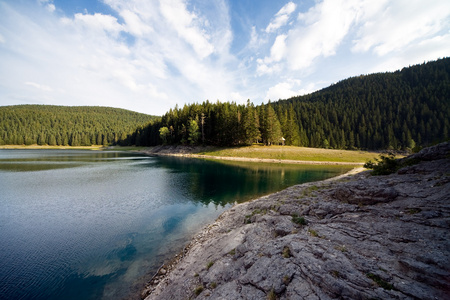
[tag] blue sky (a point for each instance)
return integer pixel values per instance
(149, 55)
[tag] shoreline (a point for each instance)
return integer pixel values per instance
(164, 270)
(354, 236)
(249, 159)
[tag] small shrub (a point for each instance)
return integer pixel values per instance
(286, 279)
(209, 265)
(384, 166)
(213, 285)
(271, 295)
(198, 290)
(341, 248)
(313, 232)
(335, 274)
(308, 191)
(232, 252)
(298, 220)
(382, 283)
(286, 252)
(413, 211)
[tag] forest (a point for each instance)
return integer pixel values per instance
(398, 110)
(406, 109)
(67, 125)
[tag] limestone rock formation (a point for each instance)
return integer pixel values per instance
(359, 237)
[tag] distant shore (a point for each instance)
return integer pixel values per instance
(255, 153)
(33, 147)
(272, 154)
(248, 159)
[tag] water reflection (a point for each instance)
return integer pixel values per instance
(224, 182)
(80, 224)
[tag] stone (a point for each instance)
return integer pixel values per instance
(375, 237)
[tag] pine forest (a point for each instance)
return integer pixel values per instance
(400, 110)
(67, 126)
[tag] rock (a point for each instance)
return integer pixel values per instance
(368, 237)
(363, 194)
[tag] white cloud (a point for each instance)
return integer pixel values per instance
(187, 26)
(397, 24)
(88, 57)
(287, 89)
(238, 98)
(134, 24)
(282, 17)
(277, 52)
(324, 27)
(96, 22)
(278, 49)
(317, 33)
(39, 86)
(48, 4)
(150, 55)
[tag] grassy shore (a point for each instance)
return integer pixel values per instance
(292, 153)
(251, 152)
(92, 147)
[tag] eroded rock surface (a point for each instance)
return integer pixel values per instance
(365, 237)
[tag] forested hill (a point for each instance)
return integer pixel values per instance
(397, 110)
(385, 110)
(67, 125)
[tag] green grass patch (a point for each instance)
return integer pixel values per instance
(271, 295)
(380, 282)
(299, 220)
(293, 153)
(313, 232)
(286, 252)
(198, 290)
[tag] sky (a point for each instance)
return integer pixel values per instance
(150, 55)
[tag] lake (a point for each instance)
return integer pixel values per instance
(81, 224)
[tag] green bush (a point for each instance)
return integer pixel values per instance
(298, 220)
(387, 164)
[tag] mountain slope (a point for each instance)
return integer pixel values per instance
(398, 110)
(65, 125)
(384, 110)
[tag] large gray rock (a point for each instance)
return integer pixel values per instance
(366, 237)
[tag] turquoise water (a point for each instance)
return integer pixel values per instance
(97, 224)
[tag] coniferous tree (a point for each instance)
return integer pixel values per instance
(271, 128)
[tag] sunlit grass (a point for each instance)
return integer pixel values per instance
(294, 153)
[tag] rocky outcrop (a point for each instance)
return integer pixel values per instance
(358, 237)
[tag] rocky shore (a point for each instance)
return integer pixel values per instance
(354, 237)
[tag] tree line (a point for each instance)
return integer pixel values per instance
(399, 110)
(67, 126)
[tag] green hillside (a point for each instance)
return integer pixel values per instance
(398, 110)
(67, 125)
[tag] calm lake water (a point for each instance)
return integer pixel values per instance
(97, 224)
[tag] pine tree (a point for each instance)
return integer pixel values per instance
(249, 128)
(271, 128)
(193, 131)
